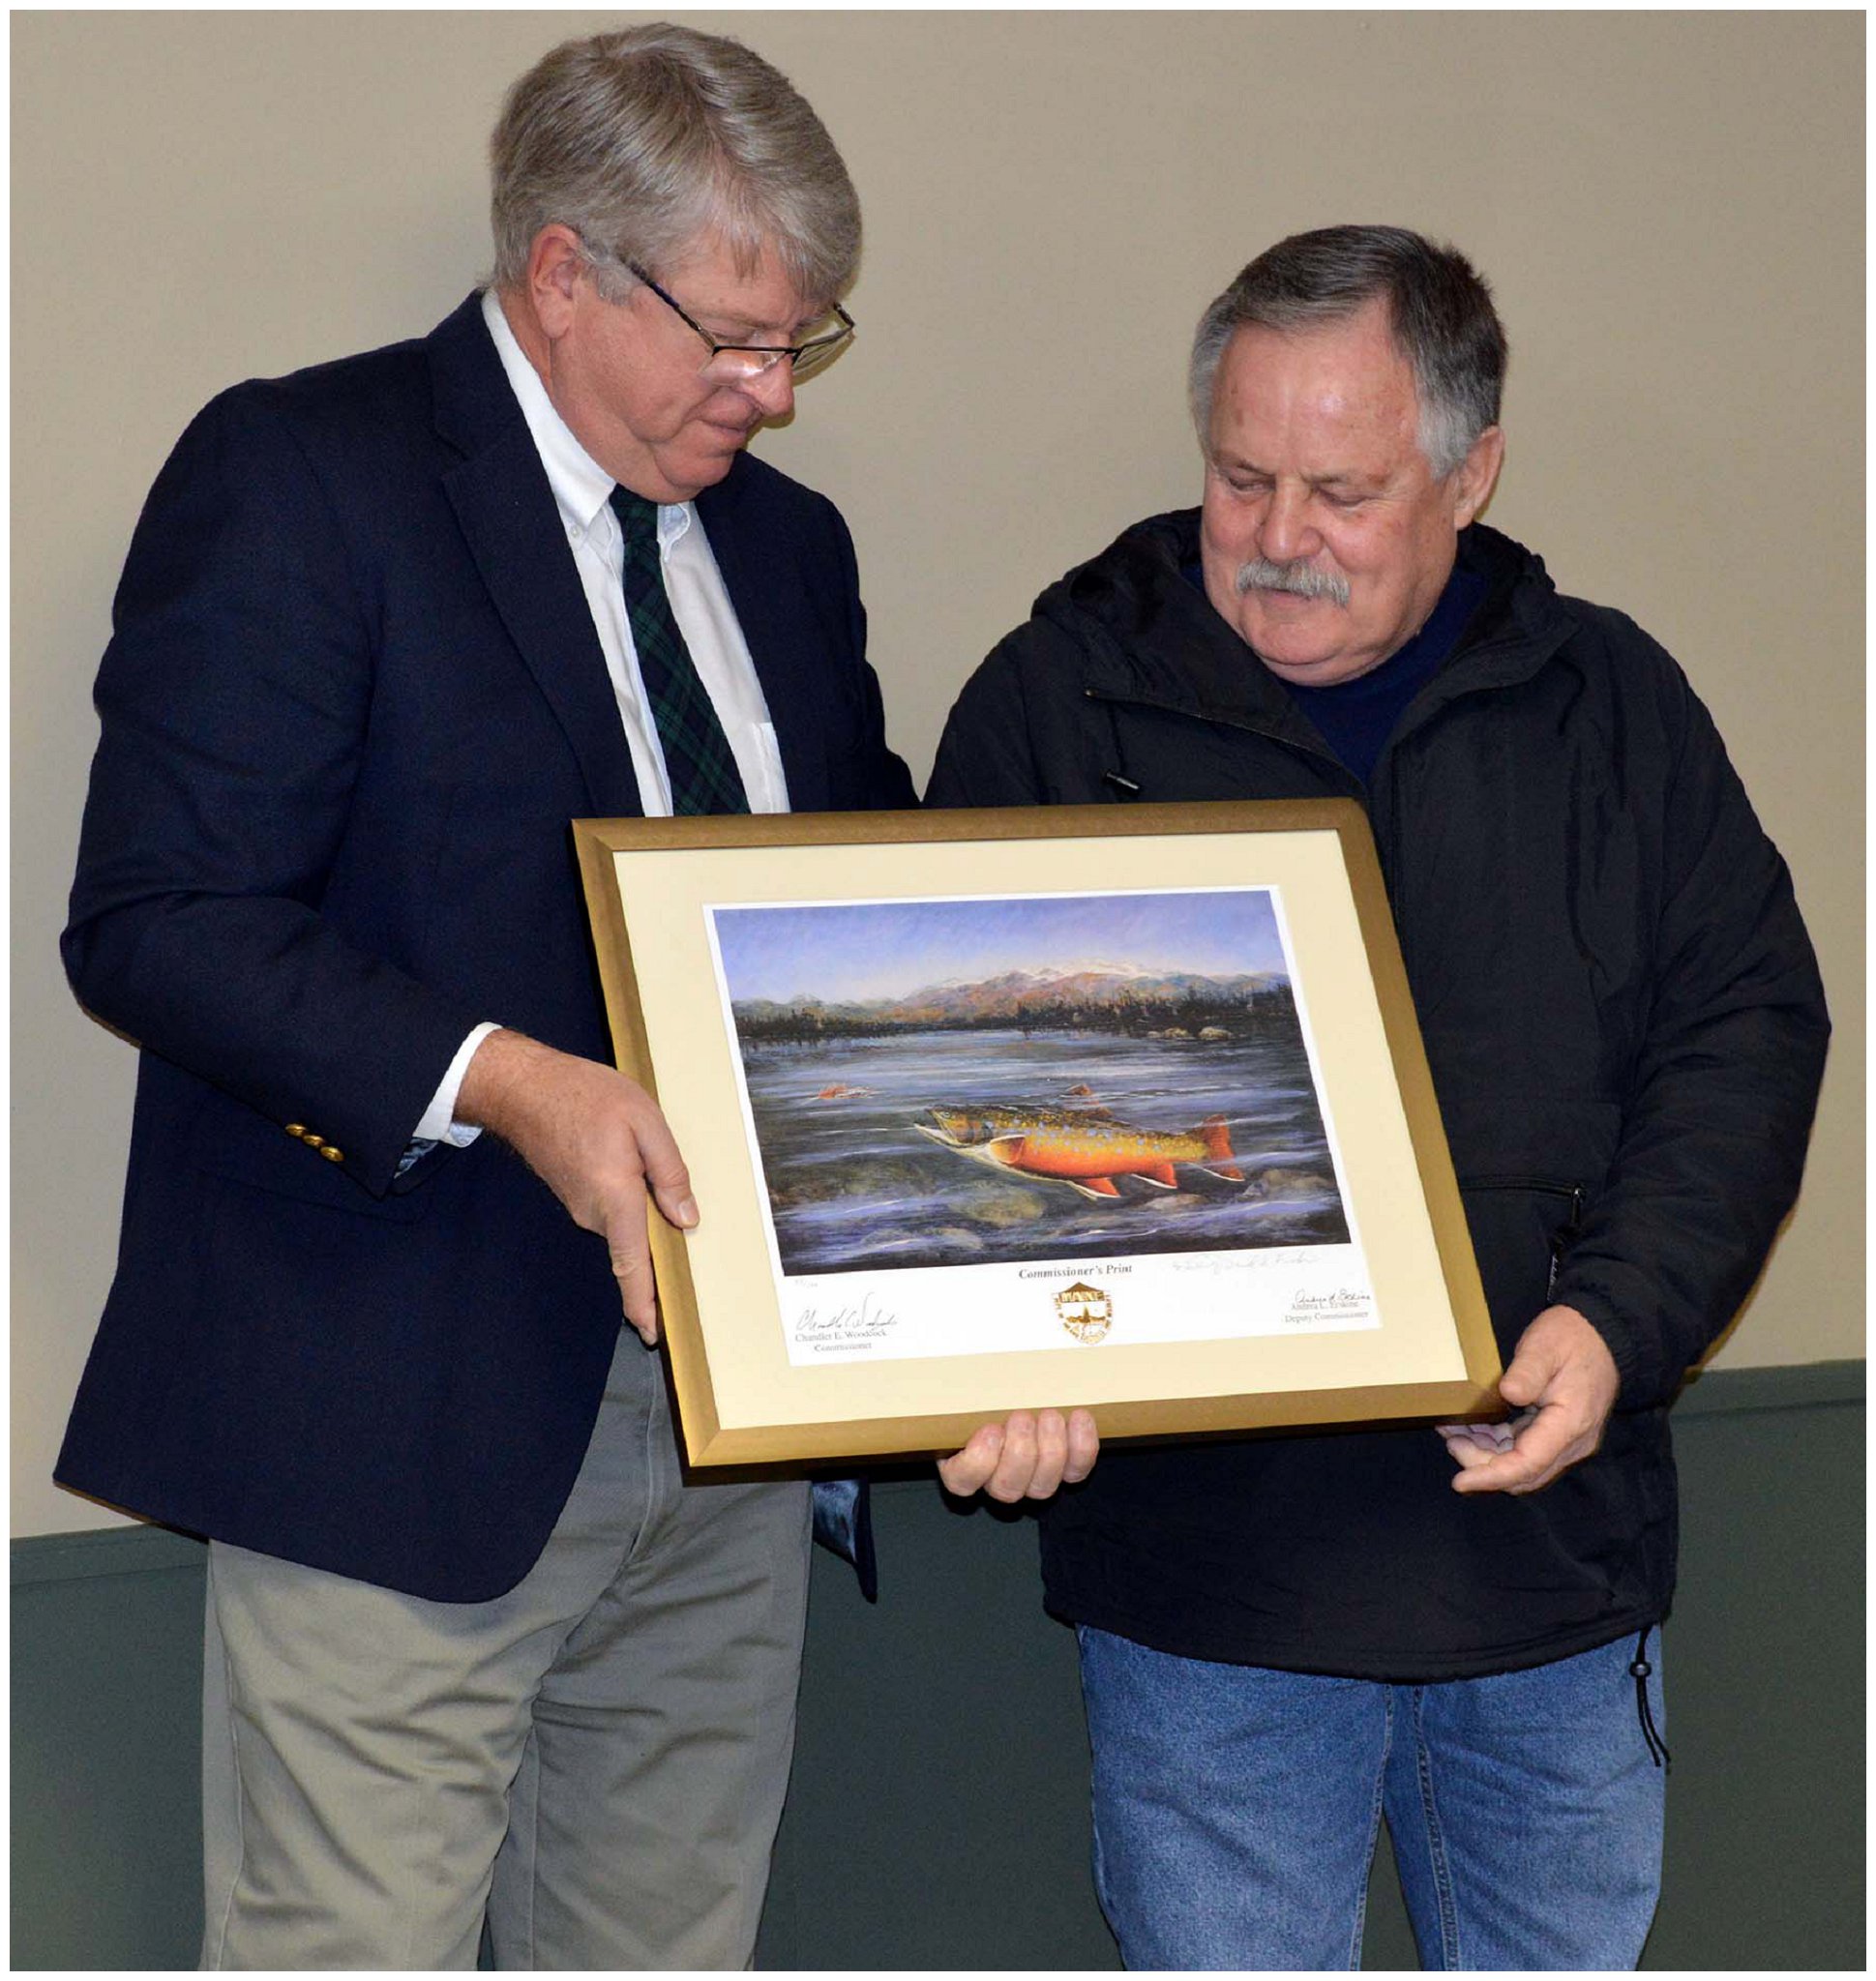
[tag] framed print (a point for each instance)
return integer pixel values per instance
(1121, 1106)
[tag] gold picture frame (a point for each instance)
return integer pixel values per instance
(946, 1227)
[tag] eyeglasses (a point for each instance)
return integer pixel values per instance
(750, 361)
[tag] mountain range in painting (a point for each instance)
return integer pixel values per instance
(1108, 997)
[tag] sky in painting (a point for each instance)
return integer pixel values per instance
(852, 950)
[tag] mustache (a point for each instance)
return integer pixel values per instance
(1299, 576)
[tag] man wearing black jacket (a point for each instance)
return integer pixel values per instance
(1283, 1636)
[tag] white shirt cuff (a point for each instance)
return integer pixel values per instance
(439, 1123)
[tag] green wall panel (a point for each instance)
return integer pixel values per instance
(107, 1643)
(937, 1816)
(1765, 1672)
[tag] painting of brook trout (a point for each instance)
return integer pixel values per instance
(993, 1079)
(1088, 1148)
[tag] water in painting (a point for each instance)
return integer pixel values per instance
(954, 1082)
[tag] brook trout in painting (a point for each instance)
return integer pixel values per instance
(1087, 1149)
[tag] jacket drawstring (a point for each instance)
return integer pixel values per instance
(1639, 1670)
(1118, 781)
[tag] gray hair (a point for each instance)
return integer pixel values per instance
(1438, 308)
(644, 138)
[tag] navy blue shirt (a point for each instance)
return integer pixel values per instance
(1356, 718)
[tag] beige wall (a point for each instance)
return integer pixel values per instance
(1670, 207)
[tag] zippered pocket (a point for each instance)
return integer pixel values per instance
(1564, 1236)
(1249, 722)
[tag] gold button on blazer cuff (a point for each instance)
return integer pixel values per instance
(295, 1129)
(332, 1155)
(315, 1141)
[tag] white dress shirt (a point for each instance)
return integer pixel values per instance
(699, 602)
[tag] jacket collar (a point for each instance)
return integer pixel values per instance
(472, 405)
(1158, 639)
(1152, 637)
(512, 523)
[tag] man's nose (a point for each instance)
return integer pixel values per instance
(1285, 532)
(773, 390)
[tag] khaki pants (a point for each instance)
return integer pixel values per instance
(595, 1760)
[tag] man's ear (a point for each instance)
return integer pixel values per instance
(1477, 476)
(556, 263)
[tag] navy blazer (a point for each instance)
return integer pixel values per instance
(352, 699)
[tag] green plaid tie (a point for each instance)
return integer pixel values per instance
(698, 761)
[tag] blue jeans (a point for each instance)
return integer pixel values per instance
(1236, 1810)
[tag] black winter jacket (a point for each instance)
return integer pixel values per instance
(1626, 1032)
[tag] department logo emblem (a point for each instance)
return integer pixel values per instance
(1087, 1313)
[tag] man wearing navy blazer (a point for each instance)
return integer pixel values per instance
(475, 1648)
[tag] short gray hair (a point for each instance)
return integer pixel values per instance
(1438, 308)
(644, 138)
